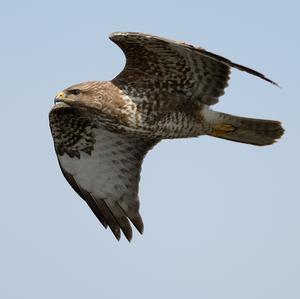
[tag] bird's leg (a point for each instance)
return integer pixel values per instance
(219, 130)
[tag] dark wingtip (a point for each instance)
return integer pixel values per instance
(127, 231)
(253, 72)
(117, 233)
(240, 67)
(138, 223)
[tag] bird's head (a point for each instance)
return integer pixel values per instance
(100, 98)
(80, 95)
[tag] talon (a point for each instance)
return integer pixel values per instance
(222, 129)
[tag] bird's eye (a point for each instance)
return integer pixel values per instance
(74, 92)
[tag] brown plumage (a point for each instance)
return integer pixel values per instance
(103, 130)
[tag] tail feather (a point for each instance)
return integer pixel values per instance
(244, 130)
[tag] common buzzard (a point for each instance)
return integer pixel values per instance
(102, 130)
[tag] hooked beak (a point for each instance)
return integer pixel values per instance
(60, 98)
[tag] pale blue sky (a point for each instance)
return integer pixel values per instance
(221, 218)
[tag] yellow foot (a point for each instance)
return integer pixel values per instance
(220, 130)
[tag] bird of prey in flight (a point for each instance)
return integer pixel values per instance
(102, 130)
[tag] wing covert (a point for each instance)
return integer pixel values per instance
(161, 68)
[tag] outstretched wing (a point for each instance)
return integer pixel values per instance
(162, 68)
(102, 167)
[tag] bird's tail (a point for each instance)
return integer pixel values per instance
(243, 129)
